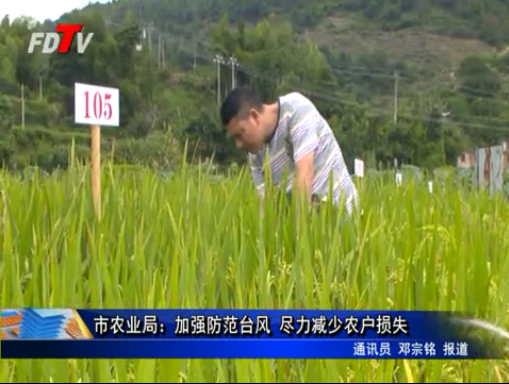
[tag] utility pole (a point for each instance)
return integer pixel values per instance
(159, 52)
(163, 53)
(40, 87)
(194, 58)
(23, 106)
(219, 61)
(150, 26)
(396, 81)
(233, 63)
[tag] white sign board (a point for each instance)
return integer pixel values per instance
(399, 179)
(359, 168)
(94, 105)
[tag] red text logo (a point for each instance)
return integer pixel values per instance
(61, 39)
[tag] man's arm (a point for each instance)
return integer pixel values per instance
(258, 178)
(304, 137)
(257, 174)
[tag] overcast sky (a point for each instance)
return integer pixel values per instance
(41, 9)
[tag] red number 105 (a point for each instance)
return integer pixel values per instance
(101, 108)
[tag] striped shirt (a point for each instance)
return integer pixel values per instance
(301, 129)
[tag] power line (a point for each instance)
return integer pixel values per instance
(350, 70)
(324, 94)
(371, 111)
(374, 112)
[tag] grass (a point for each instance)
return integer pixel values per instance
(189, 241)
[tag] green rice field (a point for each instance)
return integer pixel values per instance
(192, 241)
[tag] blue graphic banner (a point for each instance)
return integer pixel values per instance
(236, 348)
(290, 334)
(273, 324)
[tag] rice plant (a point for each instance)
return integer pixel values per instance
(191, 241)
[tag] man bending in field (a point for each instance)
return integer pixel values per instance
(295, 135)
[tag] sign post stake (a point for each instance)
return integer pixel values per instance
(96, 106)
(95, 152)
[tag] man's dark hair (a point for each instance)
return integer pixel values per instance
(237, 103)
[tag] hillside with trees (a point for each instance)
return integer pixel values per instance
(415, 80)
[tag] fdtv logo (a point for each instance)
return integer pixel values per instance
(51, 41)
